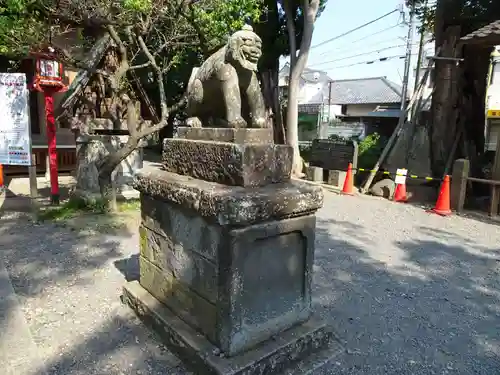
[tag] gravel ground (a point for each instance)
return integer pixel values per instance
(408, 292)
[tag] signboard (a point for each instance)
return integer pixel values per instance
(15, 132)
(333, 154)
(494, 113)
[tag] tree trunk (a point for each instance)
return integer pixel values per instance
(474, 83)
(270, 90)
(443, 126)
(310, 9)
(268, 29)
(106, 168)
(108, 192)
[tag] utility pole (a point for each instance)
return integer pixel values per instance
(420, 49)
(406, 77)
(404, 105)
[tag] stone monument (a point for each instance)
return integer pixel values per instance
(227, 238)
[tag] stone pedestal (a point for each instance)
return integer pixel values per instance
(226, 268)
(90, 150)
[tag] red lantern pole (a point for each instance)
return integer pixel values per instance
(48, 79)
(48, 93)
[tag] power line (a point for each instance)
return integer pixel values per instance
(369, 62)
(359, 54)
(356, 29)
(348, 45)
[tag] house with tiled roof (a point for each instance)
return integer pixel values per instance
(373, 103)
(365, 105)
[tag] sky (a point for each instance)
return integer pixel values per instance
(346, 57)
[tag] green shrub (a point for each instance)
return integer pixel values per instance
(369, 150)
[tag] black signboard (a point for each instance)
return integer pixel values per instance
(333, 154)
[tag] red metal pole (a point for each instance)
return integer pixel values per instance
(48, 93)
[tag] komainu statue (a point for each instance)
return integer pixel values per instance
(225, 91)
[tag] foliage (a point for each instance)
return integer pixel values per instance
(369, 150)
(20, 20)
(470, 14)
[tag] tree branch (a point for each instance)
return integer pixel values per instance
(116, 38)
(140, 66)
(159, 78)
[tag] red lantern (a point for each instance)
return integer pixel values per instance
(48, 78)
(49, 72)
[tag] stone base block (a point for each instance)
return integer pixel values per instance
(227, 163)
(301, 350)
(227, 135)
(230, 205)
(336, 178)
(314, 174)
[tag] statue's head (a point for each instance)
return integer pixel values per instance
(244, 47)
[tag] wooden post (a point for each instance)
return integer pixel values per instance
(33, 188)
(495, 176)
(458, 188)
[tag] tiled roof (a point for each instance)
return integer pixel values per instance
(486, 33)
(365, 91)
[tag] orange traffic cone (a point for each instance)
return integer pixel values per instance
(348, 182)
(443, 202)
(400, 193)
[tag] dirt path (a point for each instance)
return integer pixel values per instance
(408, 292)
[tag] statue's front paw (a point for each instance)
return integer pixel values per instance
(194, 122)
(259, 122)
(238, 122)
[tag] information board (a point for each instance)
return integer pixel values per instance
(15, 132)
(333, 154)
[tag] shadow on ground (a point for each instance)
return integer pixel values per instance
(437, 314)
(129, 267)
(433, 310)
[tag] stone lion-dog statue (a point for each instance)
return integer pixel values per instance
(225, 90)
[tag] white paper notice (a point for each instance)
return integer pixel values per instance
(15, 132)
(401, 176)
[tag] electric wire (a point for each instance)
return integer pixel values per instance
(348, 45)
(359, 54)
(356, 28)
(369, 62)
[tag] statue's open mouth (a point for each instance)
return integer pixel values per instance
(253, 58)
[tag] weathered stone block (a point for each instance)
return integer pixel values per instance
(240, 135)
(314, 174)
(227, 205)
(170, 254)
(336, 178)
(227, 163)
(170, 291)
(301, 350)
(260, 263)
(90, 150)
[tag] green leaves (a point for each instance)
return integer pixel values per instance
(141, 6)
(217, 19)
